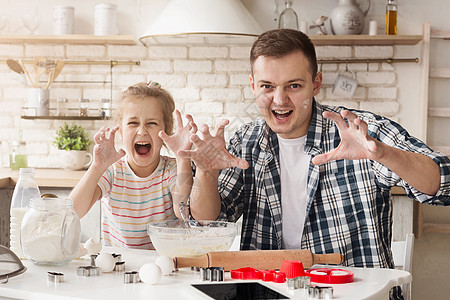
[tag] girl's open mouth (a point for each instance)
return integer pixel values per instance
(281, 114)
(142, 148)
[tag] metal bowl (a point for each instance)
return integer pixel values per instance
(179, 238)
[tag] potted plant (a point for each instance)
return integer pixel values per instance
(74, 142)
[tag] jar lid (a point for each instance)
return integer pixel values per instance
(84, 100)
(61, 99)
(49, 203)
(63, 7)
(106, 6)
(104, 100)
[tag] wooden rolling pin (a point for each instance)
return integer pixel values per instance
(258, 259)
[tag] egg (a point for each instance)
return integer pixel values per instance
(106, 262)
(166, 264)
(92, 247)
(150, 273)
(82, 251)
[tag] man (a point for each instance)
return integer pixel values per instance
(308, 175)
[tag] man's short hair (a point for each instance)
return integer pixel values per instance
(278, 43)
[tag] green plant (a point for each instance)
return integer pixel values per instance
(71, 138)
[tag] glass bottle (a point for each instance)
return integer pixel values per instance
(288, 17)
(391, 17)
(84, 104)
(51, 231)
(61, 107)
(17, 159)
(25, 189)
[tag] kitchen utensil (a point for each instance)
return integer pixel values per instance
(327, 275)
(55, 277)
(58, 68)
(259, 259)
(173, 238)
(14, 65)
(10, 264)
(50, 78)
(27, 73)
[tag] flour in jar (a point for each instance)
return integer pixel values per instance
(43, 238)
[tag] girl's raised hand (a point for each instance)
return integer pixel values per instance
(180, 140)
(105, 154)
(210, 152)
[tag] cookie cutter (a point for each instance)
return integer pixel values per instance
(212, 274)
(195, 269)
(117, 257)
(55, 277)
(93, 257)
(88, 271)
(120, 266)
(131, 277)
(329, 275)
(320, 292)
(300, 282)
(252, 274)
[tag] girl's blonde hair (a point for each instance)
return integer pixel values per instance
(152, 89)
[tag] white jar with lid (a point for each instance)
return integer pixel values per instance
(51, 231)
(105, 19)
(63, 19)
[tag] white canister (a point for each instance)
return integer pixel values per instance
(38, 102)
(63, 17)
(105, 19)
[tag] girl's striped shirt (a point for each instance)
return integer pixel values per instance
(130, 202)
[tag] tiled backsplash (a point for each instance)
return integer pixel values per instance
(209, 82)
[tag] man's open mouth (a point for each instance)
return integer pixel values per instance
(282, 114)
(142, 148)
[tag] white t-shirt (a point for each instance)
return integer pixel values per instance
(294, 164)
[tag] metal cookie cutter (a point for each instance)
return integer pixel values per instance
(120, 266)
(93, 257)
(55, 277)
(212, 274)
(131, 277)
(320, 292)
(117, 256)
(88, 271)
(300, 282)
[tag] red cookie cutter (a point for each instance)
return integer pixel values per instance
(325, 275)
(252, 274)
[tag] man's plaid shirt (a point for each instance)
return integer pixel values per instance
(349, 209)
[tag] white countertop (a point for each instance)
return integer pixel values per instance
(33, 284)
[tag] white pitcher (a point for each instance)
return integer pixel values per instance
(347, 18)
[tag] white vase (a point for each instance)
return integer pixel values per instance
(347, 18)
(76, 160)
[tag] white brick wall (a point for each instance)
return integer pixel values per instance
(209, 82)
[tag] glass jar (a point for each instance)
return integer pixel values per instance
(84, 105)
(61, 107)
(105, 108)
(50, 231)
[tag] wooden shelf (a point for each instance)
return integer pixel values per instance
(365, 40)
(75, 118)
(440, 72)
(318, 40)
(77, 39)
(439, 112)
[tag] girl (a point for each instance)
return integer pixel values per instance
(137, 185)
